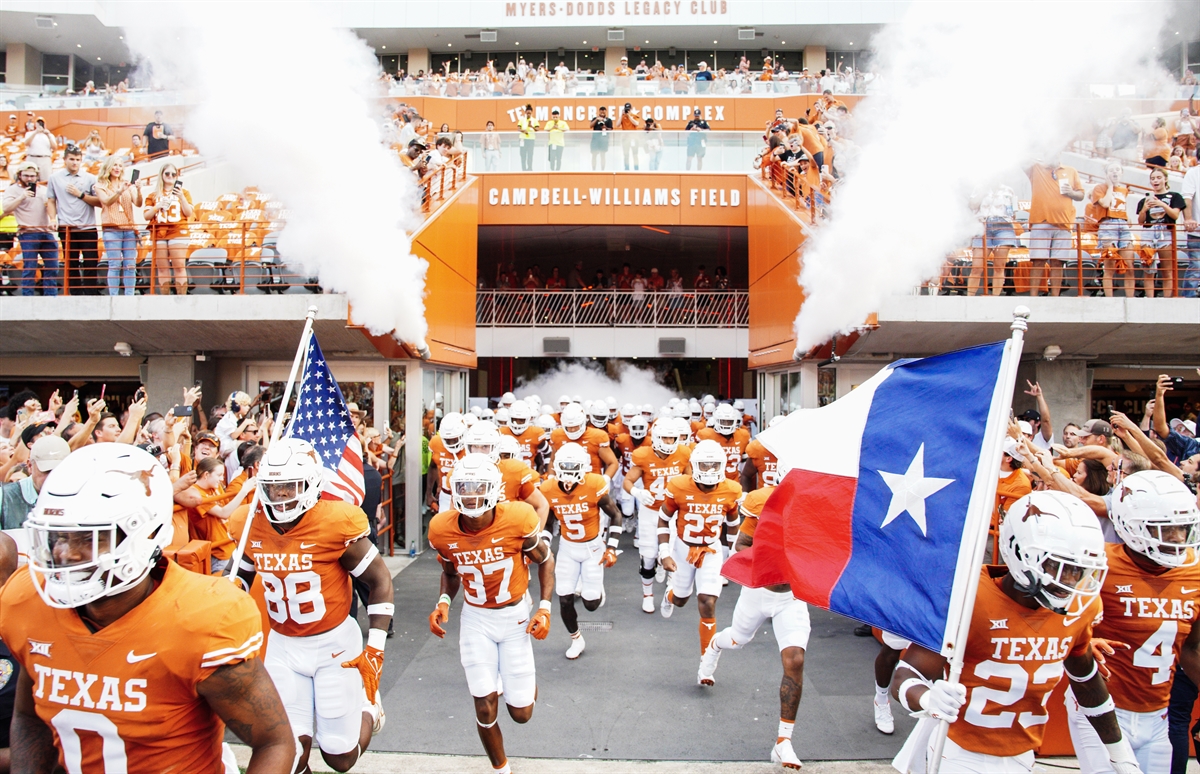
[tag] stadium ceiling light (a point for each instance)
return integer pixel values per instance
(97, 59)
(78, 45)
(384, 48)
(714, 42)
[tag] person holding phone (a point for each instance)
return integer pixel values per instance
(1157, 214)
(158, 136)
(27, 201)
(117, 200)
(168, 209)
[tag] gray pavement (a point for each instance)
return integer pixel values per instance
(633, 696)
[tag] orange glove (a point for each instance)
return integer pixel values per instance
(369, 664)
(439, 616)
(696, 554)
(609, 558)
(539, 624)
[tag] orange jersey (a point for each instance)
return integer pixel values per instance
(125, 698)
(700, 513)
(169, 223)
(764, 462)
(307, 589)
(1153, 614)
(734, 446)
(444, 460)
(201, 526)
(489, 561)
(1011, 488)
(1013, 661)
(530, 441)
(593, 439)
(520, 480)
(752, 507)
(579, 509)
(697, 426)
(615, 429)
(656, 471)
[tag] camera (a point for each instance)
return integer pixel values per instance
(153, 449)
(1177, 380)
(181, 411)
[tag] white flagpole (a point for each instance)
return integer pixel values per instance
(276, 430)
(979, 516)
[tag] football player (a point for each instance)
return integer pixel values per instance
(482, 544)
(576, 498)
(759, 469)
(653, 466)
(790, 622)
(705, 507)
(445, 449)
(634, 436)
(575, 428)
(306, 551)
(520, 480)
(1150, 605)
(531, 437)
(105, 653)
(729, 434)
(1031, 623)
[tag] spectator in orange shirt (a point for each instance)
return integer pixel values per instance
(13, 130)
(1110, 206)
(631, 139)
(1014, 483)
(1055, 188)
(1158, 149)
(168, 209)
(624, 77)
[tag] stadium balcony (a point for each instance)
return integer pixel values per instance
(664, 151)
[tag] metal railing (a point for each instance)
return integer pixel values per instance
(443, 182)
(796, 188)
(612, 308)
(622, 150)
(594, 85)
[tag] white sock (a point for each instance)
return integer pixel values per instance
(881, 695)
(647, 587)
(724, 640)
(575, 635)
(785, 729)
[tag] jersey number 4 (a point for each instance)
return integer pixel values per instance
(286, 598)
(1158, 652)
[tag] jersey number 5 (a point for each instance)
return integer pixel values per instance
(285, 599)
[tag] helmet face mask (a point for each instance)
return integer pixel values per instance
(1156, 516)
(475, 485)
(290, 479)
(638, 427)
(708, 463)
(726, 419)
(452, 430)
(571, 464)
(599, 415)
(664, 436)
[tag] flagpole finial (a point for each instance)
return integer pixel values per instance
(312, 311)
(1020, 318)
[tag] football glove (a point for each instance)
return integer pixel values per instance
(943, 700)
(609, 558)
(539, 624)
(644, 497)
(369, 664)
(439, 616)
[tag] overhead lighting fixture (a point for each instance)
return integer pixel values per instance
(449, 45)
(44, 22)
(714, 42)
(384, 48)
(585, 42)
(78, 45)
(97, 59)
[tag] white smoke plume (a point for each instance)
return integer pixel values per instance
(285, 97)
(971, 91)
(590, 382)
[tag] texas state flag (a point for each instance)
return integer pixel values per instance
(870, 518)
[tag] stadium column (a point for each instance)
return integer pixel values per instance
(24, 65)
(418, 60)
(814, 58)
(1066, 387)
(612, 58)
(167, 376)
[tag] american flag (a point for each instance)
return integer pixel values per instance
(321, 418)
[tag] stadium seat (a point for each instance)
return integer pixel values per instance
(206, 270)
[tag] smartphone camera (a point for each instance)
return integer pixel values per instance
(1177, 381)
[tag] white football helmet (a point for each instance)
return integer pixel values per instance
(508, 449)
(477, 411)
(484, 439)
(709, 408)
(1156, 515)
(451, 431)
(534, 402)
(563, 402)
(469, 420)
(664, 436)
(475, 485)
(506, 400)
(502, 418)
(627, 412)
(546, 422)
(673, 402)
(647, 410)
(290, 478)
(708, 463)
(695, 410)
(489, 415)
(571, 463)
(519, 416)
(598, 414)
(545, 410)
(681, 411)
(574, 422)
(100, 522)
(611, 402)
(726, 419)
(740, 406)
(638, 426)
(1054, 549)
(684, 428)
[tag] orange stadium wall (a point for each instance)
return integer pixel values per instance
(775, 237)
(607, 198)
(116, 124)
(449, 241)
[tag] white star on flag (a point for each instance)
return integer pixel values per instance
(910, 490)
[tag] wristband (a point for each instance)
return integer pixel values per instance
(664, 550)
(445, 598)
(1121, 751)
(1104, 707)
(613, 542)
(381, 608)
(614, 530)
(376, 638)
(544, 604)
(904, 686)
(1088, 676)
(664, 531)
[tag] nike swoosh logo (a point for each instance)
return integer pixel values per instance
(306, 546)
(335, 655)
(1069, 621)
(523, 620)
(133, 659)
(497, 540)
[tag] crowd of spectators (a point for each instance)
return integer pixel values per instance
(520, 78)
(1157, 141)
(805, 157)
(637, 280)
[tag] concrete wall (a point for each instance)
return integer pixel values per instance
(1065, 386)
(612, 58)
(418, 60)
(611, 342)
(24, 65)
(168, 377)
(814, 58)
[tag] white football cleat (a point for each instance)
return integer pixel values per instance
(783, 754)
(708, 665)
(648, 603)
(660, 575)
(667, 607)
(576, 649)
(883, 717)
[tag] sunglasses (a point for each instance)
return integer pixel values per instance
(170, 174)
